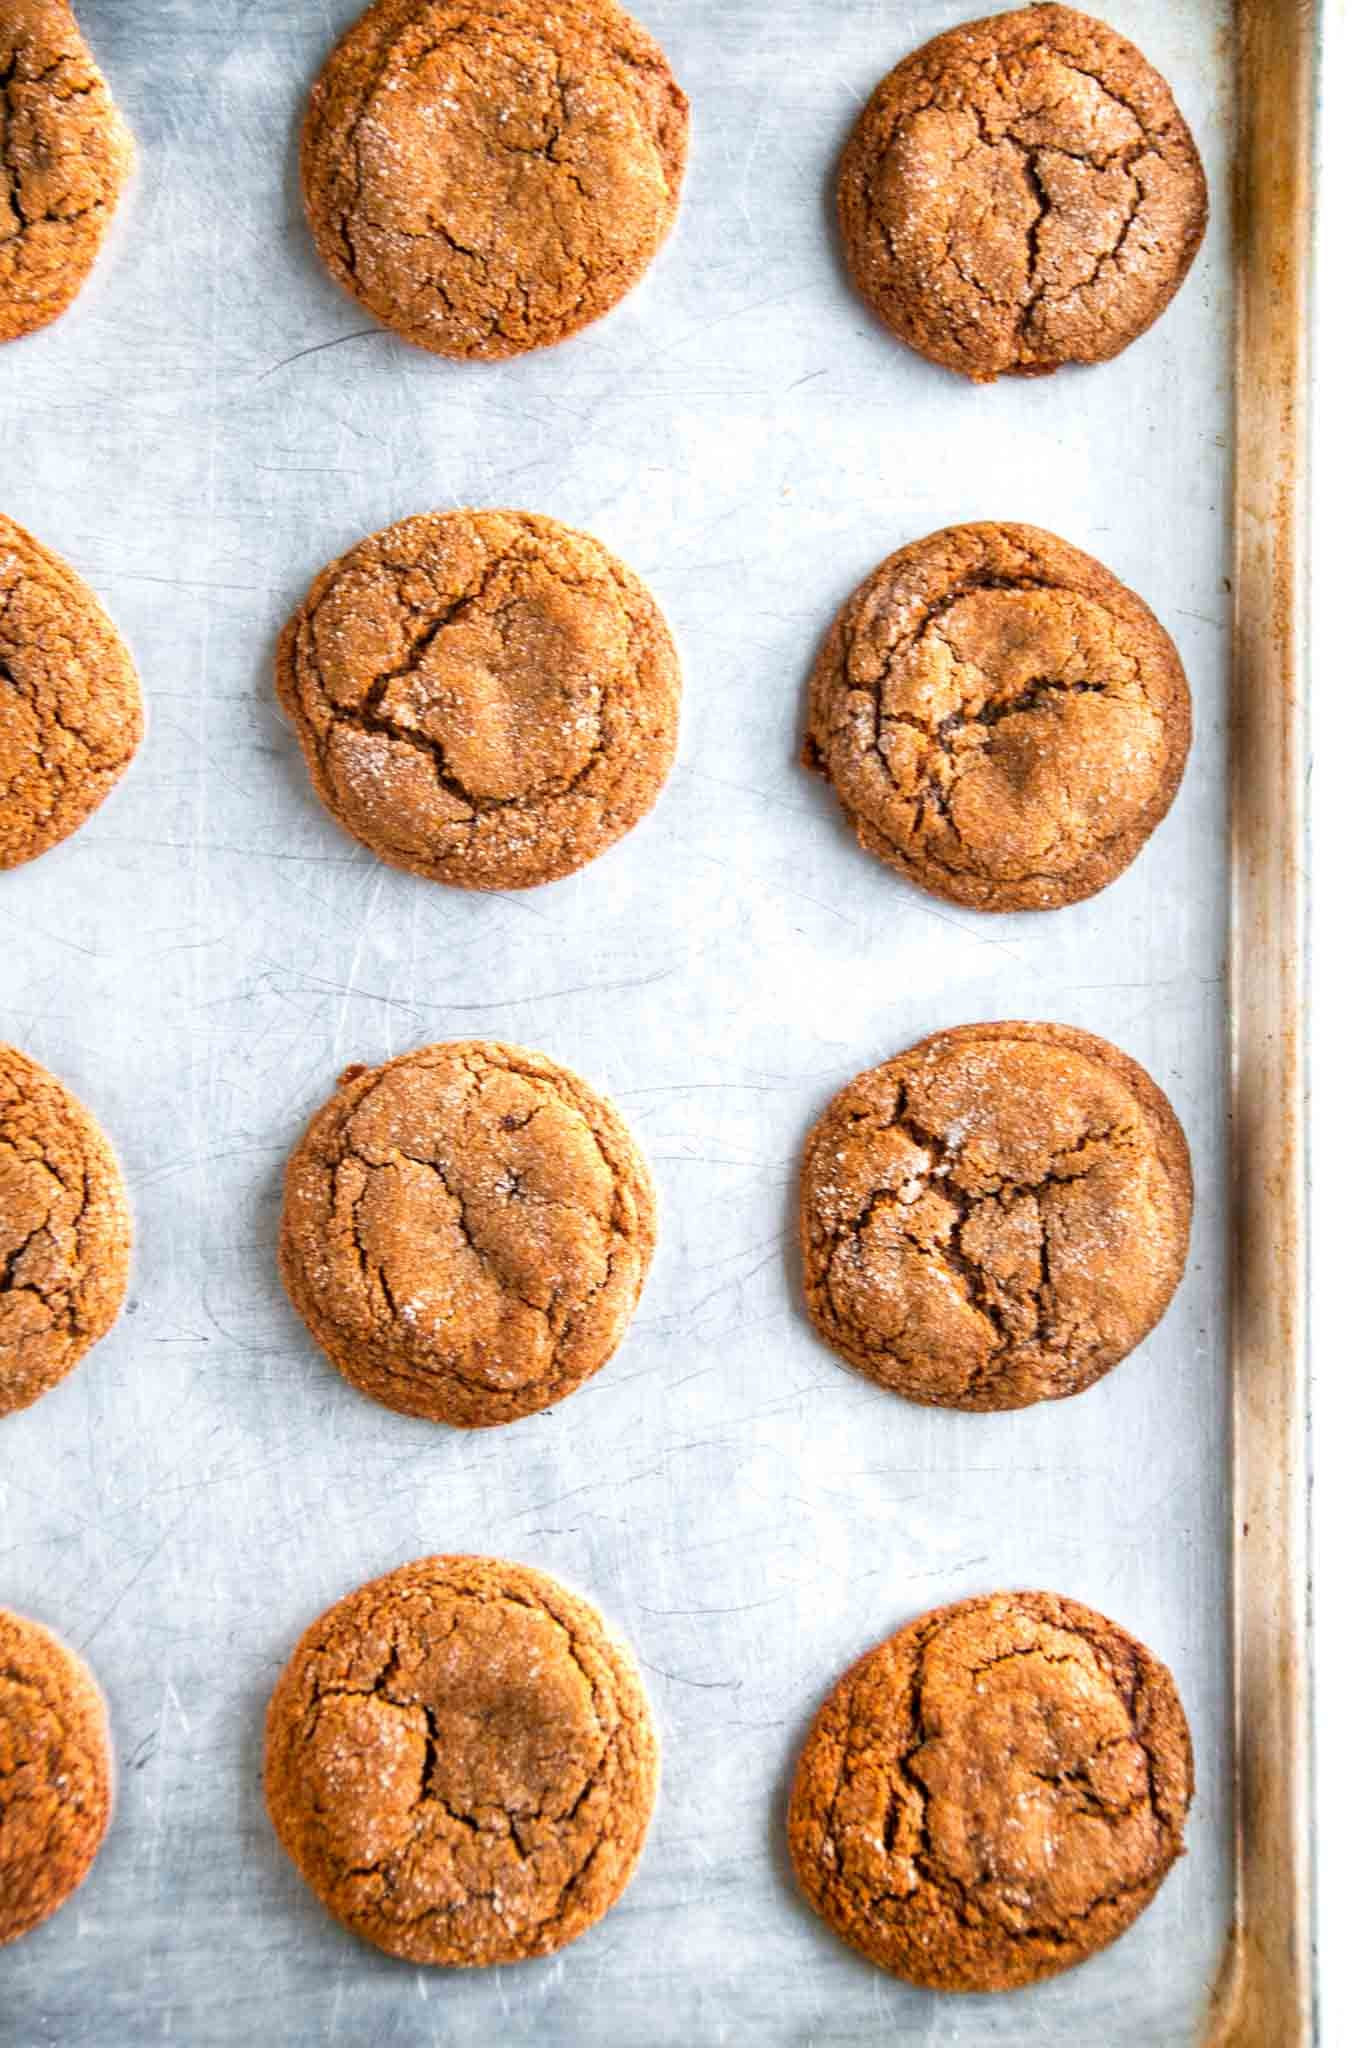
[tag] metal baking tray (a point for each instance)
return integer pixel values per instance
(212, 423)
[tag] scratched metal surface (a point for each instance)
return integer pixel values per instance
(211, 425)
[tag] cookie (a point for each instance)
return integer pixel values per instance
(1003, 722)
(1020, 193)
(995, 1217)
(993, 1794)
(489, 176)
(466, 1231)
(485, 698)
(65, 155)
(65, 1232)
(70, 705)
(460, 1760)
(56, 1774)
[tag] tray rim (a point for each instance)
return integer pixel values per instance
(1266, 1995)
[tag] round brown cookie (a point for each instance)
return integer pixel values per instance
(460, 1760)
(466, 1231)
(992, 1794)
(995, 1217)
(1021, 192)
(65, 1233)
(488, 176)
(56, 1774)
(1002, 720)
(70, 706)
(65, 156)
(486, 698)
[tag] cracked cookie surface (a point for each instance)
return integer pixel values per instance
(1003, 722)
(489, 699)
(70, 705)
(460, 1760)
(488, 176)
(466, 1231)
(65, 1234)
(65, 155)
(995, 1217)
(993, 1793)
(56, 1774)
(1019, 193)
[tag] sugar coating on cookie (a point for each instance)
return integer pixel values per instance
(488, 176)
(460, 1760)
(466, 1231)
(1003, 722)
(65, 155)
(70, 704)
(1019, 193)
(993, 1794)
(489, 699)
(65, 1232)
(996, 1217)
(56, 1774)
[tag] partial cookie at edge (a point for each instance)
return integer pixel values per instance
(70, 704)
(56, 1774)
(65, 1232)
(65, 156)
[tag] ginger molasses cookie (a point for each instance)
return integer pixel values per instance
(1003, 722)
(70, 705)
(488, 176)
(65, 1233)
(65, 155)
(992, 1794)
(56, 1774)
(1019, 193)
(486, 698)
(995, 1217)
(466, 1231)
(460, 1760)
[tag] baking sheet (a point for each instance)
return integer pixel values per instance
(215, 421)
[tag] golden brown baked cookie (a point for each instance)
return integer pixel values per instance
(65, 155)
(1019, 193)
(459, 1758)
(488, 176)
(1002, 720)
(992, 1794)
(70, 705)
(56, 1774)
(466, 1231)
(65, 1233)
(995, 1217)
(486, 698)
